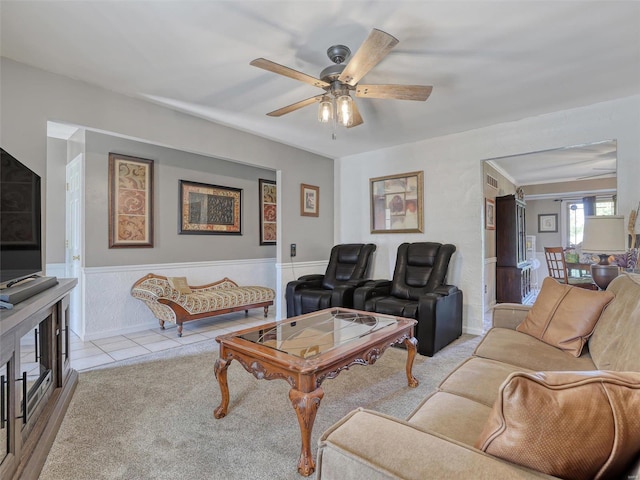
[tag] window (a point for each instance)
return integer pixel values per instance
(576, 223)
(604, 206)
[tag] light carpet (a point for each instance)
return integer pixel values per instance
(152, 417)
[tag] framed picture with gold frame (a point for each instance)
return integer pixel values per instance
(130, 202)
(397, 203)
(268, 211)
(309, 200)
(209, 209)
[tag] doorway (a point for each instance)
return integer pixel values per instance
(548, 180)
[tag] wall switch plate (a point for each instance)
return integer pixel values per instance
(293, 249)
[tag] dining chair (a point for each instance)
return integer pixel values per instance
(557, 266)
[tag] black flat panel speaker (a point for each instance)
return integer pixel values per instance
(19, 293)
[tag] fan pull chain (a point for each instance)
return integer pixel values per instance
(335, 122)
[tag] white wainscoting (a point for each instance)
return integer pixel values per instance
(109, 308)
(287, 272)
(58, 270)
(489, 283)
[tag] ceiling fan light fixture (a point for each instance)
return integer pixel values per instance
(338, 80)
(344, 109)
(325, 110)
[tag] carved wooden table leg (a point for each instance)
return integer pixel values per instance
(221, 375)
(306, 406)
(411, 344)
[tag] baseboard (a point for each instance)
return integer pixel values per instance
(121, 331)
(472, 331)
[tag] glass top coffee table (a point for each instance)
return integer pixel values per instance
(309, 349)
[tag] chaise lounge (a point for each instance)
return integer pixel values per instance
(171, 299)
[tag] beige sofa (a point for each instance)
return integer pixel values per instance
(438, 440)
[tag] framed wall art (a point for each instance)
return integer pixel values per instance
(209, 209)
(397, 203)
(309, 200)
(268, 208)
(130, 201)
(547, 222)
(489, 214)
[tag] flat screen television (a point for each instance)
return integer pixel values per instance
(20, 226)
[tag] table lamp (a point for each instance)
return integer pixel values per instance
(604, 235)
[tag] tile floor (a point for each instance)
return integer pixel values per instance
(90, 354)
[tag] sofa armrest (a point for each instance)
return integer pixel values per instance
(509, 315)
(305, 281)
(439, 319)
(342, 295)
(371, 445)
(312, 280)
(372, 288)
(445, 289)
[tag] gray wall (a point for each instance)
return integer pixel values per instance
(550, 205)
(170, 166)
(544, 239)
(31, 97)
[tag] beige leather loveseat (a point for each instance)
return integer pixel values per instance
(496, 417)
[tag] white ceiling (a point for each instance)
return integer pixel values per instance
(488, 62)
(577, 162)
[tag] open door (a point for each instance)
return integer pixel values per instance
(74, 254)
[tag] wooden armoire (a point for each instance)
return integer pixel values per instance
(513, 271)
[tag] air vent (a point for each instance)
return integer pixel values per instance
(492, 182)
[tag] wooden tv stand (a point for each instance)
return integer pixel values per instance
(29, 437)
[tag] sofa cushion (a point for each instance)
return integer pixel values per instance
(614, 343)
(522, 350)
(573, 425)
(478, 379)
(564, 316)
(180, 284)
(373, 446)
(450, 415)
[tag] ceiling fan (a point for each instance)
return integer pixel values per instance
(340, 79)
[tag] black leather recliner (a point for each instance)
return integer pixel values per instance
(419, 290)
(348, 268)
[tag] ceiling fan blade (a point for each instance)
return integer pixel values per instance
(357, 118)
(295, 106)
(397, 92)
(288, 72)
(377, 45)
(597, 175)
